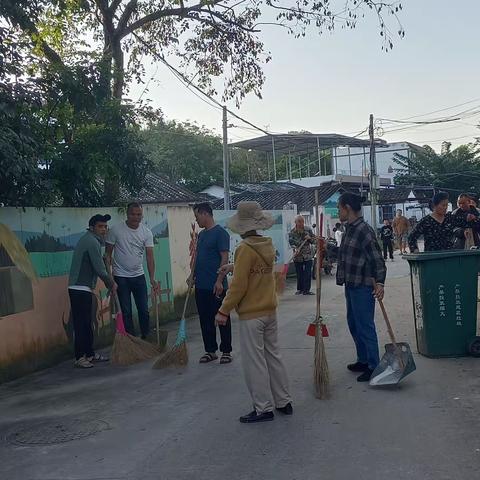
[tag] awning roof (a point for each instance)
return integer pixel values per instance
(299, 143)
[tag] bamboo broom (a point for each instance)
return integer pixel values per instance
(320, 370)
(128, 349)
(177, 356)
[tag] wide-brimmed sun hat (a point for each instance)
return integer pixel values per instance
(249, 217)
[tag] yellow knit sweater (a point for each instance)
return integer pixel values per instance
(252, 290)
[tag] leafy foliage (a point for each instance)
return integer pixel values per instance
(66, 133)
(457, 170)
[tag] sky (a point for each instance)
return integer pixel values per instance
(331, 83)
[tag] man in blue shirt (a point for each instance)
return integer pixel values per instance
(213, 246)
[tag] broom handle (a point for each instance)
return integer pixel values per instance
(117, 303)
(157, 320)
(295, 255)
(318, 266)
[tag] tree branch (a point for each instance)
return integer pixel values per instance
(114, 5)
(168, 12)
(124, 19)
(225, 19)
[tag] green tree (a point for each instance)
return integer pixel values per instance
(185, 153)
(124, 31)
(457, 169)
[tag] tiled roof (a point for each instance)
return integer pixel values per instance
(158, 189)
(264, 187)
(401, 194)
(304, 198)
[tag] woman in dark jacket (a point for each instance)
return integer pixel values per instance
(437, 228)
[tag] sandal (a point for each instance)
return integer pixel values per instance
(226, 358)
(207, 358)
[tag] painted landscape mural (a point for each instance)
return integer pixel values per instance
(35, 323)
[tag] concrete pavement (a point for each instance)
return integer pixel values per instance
(143, 424)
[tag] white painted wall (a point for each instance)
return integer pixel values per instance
(180, 219)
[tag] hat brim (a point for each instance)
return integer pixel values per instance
(241, 226)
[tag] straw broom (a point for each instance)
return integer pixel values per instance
(320, 369)
(128, 349)
(177, 356)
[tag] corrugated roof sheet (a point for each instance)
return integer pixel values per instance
(304, 198)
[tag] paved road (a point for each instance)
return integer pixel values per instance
(183, 425)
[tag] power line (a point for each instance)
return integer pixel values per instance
(443, 109)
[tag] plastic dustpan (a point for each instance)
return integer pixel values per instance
(396, 363)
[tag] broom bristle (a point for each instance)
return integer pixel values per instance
(128, 350)
(320, 371)
(177, 356)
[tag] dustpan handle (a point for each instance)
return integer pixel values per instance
(385, 316)
(389, 326)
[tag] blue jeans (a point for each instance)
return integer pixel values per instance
(138, 287)
(361, 322)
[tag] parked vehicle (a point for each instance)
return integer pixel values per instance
(329, 259)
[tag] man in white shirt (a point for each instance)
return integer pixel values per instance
(338, 233)
(125, 246)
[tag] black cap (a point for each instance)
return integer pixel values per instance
(98, 218)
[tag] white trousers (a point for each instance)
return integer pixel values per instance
(263, 367)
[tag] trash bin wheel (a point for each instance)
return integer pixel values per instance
(474, 347)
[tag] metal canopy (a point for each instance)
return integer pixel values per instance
(299, 143)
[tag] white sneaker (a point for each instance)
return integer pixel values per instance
(83, 363)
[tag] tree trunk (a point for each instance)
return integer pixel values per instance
(118, 71)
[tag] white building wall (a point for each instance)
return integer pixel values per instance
(355, 160)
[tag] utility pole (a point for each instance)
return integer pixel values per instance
(226, 169)
(373, 175)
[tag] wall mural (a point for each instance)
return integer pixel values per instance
(284, 221)
(36, 248)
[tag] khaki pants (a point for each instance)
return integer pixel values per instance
(264, 371)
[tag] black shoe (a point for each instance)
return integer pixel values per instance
(308, 293)
(254, 417)
(286, 410)
(358, 367)
(365, 376)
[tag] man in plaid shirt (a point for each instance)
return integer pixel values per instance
(360, 265)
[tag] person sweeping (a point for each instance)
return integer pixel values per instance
(252, 294)
(360, 262)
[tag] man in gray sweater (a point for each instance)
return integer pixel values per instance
(87, 266)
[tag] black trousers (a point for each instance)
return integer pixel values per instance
(304, 276)
(387, 248)
(82, 303)
(138, 287)
(208, 305)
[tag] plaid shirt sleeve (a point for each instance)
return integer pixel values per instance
(374, 255)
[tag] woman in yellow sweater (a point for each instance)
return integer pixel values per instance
(252, 294)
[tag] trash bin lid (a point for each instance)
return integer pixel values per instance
(424, 256)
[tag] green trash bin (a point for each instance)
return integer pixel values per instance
(444, 292)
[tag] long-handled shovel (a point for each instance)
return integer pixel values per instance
(397, 361)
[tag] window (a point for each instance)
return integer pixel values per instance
(387, 212)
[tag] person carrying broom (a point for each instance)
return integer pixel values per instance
(360, 261)
(252, 294)
(87, 266)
